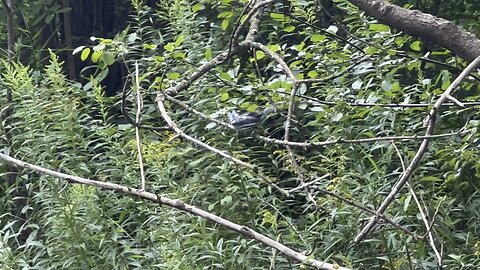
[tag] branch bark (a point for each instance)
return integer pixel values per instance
(175, 203)
(413, 22)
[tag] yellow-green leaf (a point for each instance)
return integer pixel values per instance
(317, 38)
(96, 56)
(225, 76)
(277, 17)
(415, 46)
(371, 50)
(259, 55)
(274, 47)
(225, 15)
(198, 7)
(208, 53)
(179, 40)
(224, 96)
(445, 84)
(169, 47)
(289, 29)
(225, 24)
(179, 55)
(173, 76)
(85, 54)
(379, 27)
(312, 74)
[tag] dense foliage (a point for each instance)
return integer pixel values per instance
(78, 128)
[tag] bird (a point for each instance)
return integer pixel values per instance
(244, 121)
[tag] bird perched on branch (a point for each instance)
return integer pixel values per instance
(243, 121)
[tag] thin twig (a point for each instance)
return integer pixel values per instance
(335, 75)
(238, 25)
(366, 140)
(127, 116)
(424, 213)
(138, 116)
(308, 183)
(384, 105)
(370, 211)
(180, 132)
(430, 120)
(308, 144)
(298, 169)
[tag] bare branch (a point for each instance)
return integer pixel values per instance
(423, 213)
(430, 120)
(370, 211)
(180, 132)
(366, 104)
(308, 144)
(138, 115)
(178, 204)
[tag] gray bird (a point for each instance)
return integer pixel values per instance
(243, 121)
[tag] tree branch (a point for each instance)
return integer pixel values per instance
(430, 120)
(413, 22)
(178, 204)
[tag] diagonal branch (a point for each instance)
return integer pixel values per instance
(180, 132)
(430, 120)
(178, 204)
(413, 22)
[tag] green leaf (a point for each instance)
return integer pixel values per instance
(415, 46)
(371, 50)
(299, 47)
(399, 40)
(150, 46)
(445, 84)
(379, 27)
(289, 29)
(224, 96)
(259, 54)
(85, 54)
(173, 76)
(252, 107)
(274, 47)
(227, 200)
(96, 56)
(226, 76)
(179, 55)
(198, 7)
(225, 15)
(179, 40)
(225, 24)
(208, 54)
(277, 17)
(108, 58)
(169, 47)
(318, 38)
(312, 74)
